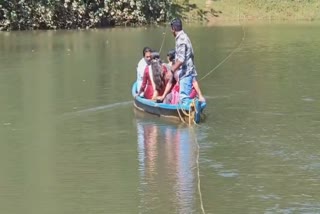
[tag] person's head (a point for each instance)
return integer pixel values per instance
(155, 55)
(176, 26)
(146, 53)
(171, 55)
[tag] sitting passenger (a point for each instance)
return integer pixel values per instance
(170, 81)
(170, 58)
(154, 79)
(146, 57)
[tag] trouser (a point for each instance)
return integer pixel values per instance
(185, 84)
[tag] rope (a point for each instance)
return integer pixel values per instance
(216, 67)
(190, 114)
(180, 116)
(193, 110)
(164, 38)
(198, 175)
(230, 54)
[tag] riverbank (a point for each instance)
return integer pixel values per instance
(78, 14)
(231, 11)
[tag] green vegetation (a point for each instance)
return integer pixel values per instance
(74, 14)
(228, 10)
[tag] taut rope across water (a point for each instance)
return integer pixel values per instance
(202, 78)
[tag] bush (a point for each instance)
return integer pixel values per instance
(72, 14)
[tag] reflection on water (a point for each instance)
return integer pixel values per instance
(68, 145)
(167, 167)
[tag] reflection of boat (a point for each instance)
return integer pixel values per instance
(185, 113)
(167, 166)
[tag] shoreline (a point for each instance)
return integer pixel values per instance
(201, 12)
(234, 11)
(234, 22)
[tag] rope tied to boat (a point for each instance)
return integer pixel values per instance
(188, 115)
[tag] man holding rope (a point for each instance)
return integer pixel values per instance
(184, 63)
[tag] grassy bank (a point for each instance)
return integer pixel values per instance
(77, 14)
(215, 11)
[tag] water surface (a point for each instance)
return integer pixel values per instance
(71, 141)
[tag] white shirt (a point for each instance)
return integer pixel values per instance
(140, 72)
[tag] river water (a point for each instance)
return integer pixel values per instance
(71, 141)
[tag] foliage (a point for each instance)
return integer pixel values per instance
(71, 14)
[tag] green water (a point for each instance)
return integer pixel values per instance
(71, 142)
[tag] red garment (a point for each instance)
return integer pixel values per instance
(175, 93)
(146, 85)
(193, 93)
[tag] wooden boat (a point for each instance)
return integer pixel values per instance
(192, 113)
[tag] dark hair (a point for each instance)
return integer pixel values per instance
(157, 73)
(171, 55)
(155, 55)
(145, 50)
(176, 24)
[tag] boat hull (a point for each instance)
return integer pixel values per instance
(178, 112)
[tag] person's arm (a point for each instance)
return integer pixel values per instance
(180, 57)
(155, 95)
(140, 70)
(144, 80)
(176, 66)
(155, 92)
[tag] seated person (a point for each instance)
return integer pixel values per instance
(154, 79)
(169, 80)
(170, 58)
(146, 57)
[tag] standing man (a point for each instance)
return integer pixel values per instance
(184, 63)
(146, 58)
